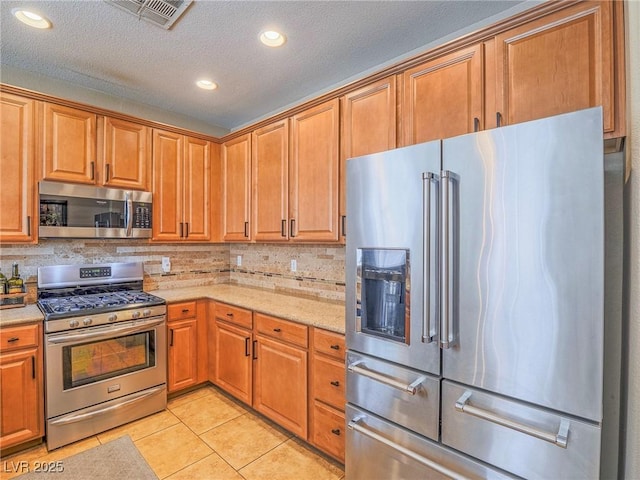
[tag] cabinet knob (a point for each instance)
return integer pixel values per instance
(335, 347)
(277, 330)
(335, 431)
(335, 383)
(229, 314)
(185, 310)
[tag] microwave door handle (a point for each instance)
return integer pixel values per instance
(128, 213)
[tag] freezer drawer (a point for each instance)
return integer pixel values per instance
(404, 396)
(377, 448)
(527, 441)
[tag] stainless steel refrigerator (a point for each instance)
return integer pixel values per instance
(483, 305)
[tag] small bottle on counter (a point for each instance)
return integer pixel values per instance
(3, 283)
(15, 284)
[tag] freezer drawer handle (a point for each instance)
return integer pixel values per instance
(559, 439)
(355, 425)
(411, 388)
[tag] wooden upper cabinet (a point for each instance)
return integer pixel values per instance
(197, 190)
(313, 173)
(69, 144)
(167, 185)
(443, 97)
(562, 62)
(236, 189)
(18, 188)
(270, 193)
(126, 154)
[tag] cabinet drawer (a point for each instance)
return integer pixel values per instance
(329, 343)
(180, 311)
(328, 381)
(283, 330)
(236, 315)
(19, 337)
(328, 430)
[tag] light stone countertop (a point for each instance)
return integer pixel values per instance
(317, 313)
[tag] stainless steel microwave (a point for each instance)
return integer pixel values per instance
(84, 211)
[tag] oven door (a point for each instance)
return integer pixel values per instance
(95, 365)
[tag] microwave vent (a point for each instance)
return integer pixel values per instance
(163, 13)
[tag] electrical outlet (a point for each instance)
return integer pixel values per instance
(239, 260)
(294, 265)
(166, 264)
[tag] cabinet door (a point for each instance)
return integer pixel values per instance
(313, 174)
(20, 405)
(197, 190)
(270, 194)
(443, 97)
(17, 167)
(183, 354)
(368, 126)
(167, 185)
(233, 360)
(69, 144)
(126, 154)
(236, 195)
(557, 64)
(280, 388)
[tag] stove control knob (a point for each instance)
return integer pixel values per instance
(87, 321)
(112, 318)
(146, 312)
(135, 314)
(74, 323)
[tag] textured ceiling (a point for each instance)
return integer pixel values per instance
(95, 45)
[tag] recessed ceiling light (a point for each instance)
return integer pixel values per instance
(271, 38)
(31, 18)
(207, 84)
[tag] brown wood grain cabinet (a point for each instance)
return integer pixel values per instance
(327, 386)
(18, 187)
(443, 97)
(313, 174)
(280, 373)
(368, 125)
(565, 61)
(186, 362)
(181, 187)
(231, 365)
(21, 385)
(270, 182)
(236, 189)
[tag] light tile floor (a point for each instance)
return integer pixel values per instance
(204, 434)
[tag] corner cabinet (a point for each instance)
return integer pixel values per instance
(565, 61)
(182, 188)
(21, 385)
(19, 215)
(236, 189)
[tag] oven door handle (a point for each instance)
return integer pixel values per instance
(105, 333)
(80, 417)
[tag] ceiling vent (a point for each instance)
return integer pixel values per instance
(163, 13)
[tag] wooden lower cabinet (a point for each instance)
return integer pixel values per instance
(21, 385)
(328, 430)
(187, 347)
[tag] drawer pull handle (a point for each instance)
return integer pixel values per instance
(277, 330)
(335, 347)
(13, 339)
(559, 439)
(230, 315)
(357, 426)
(335, 383)
(335, 431)
(185, 310)
(410, 388)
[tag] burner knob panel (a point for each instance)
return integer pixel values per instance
(112, 318)
(87, 321)
(146, 312)
(135, 314)
(74, 323)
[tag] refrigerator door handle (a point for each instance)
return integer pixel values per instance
(411, 388)
(355, 425)
(559, 439)
(428, 333)
(446, 339)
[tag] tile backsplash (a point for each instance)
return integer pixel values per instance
(320, 268)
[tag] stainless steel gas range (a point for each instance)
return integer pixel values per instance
(105, 348)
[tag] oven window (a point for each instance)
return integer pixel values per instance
(95, 361)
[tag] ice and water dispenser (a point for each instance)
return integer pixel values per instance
(382, 290)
